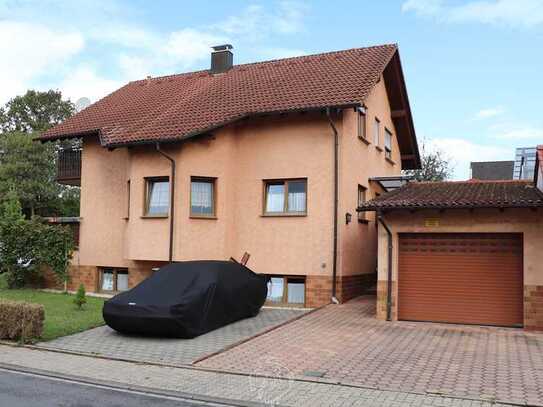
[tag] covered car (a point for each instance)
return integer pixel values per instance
(187, 299)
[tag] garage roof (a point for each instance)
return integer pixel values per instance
(463, 194)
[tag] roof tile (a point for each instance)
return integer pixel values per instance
(178, 106)
(464, 194)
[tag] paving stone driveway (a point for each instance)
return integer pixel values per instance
(104, 341)
(346, 344)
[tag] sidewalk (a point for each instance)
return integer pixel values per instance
(209, 385)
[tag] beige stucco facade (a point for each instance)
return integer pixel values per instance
(115, 233)
(527, 222)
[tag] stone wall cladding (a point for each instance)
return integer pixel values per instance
(86, 275)
(137, 274)
(533, 307)
(318, 289)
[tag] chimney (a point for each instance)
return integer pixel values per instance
(221, 58)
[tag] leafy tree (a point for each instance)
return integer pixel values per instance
(80, 296)
(435, 166)
(35, 112)
(28, 167)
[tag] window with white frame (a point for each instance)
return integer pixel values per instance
(202, 197)
(376, 132)
(388, 143)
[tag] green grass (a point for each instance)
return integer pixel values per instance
(61, 315)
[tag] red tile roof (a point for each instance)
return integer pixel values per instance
(464, 194)
(179, 106)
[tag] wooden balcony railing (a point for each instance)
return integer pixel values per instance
(69, 167)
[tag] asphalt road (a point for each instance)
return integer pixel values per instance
(29, 390)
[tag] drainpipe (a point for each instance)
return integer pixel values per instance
(336, 198)
(389, 265)
(172, 196)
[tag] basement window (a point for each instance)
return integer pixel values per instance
(286, 290)
(113, 279)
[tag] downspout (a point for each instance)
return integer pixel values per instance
(172, 196)
(336, 199)
(389, 265)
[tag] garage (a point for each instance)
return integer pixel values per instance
(464, 252)
(468, 278)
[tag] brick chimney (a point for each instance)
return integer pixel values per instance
(221, 58)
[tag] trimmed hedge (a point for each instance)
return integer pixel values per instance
(21, 321)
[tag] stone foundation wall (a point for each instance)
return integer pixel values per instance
(533, 307)
(318, 289)
(86, 275)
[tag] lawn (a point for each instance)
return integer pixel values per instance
(61, 315)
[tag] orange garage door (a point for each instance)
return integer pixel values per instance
(461, 278)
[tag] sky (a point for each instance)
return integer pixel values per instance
(473, 68)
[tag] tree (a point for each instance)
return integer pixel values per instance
(35, 112)
(435, 166)
(80, 297)
(28, 167)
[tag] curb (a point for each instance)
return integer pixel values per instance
(141, 389)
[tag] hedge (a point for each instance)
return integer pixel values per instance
(20, 320)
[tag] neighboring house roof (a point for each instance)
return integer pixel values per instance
(492, 170)
(172, 108)
(465, 194)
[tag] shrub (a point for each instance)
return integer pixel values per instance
(80, 297)
(26, 246)
(21, 321)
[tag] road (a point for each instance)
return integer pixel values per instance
(30, 390)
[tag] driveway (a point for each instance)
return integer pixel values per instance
(103, 341)
(346, 344)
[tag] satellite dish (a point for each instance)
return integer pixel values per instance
(82, 103)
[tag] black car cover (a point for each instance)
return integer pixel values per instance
(188, 299)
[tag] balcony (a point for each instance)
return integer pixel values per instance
(69, 167)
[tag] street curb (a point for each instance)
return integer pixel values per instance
(138, 388)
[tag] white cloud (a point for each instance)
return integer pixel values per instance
(523, 133)
(490, 112)
(463, 152)
(85, 82)
(516, 13)
(43, 56)
(31, 50)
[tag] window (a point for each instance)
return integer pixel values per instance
(157, 196)
(286, 290)
(388, 143)
(361, 201)
(128, 199)
(286, 197)
(362, 123)
(202, 197)
(376, 131)
(113, 279)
